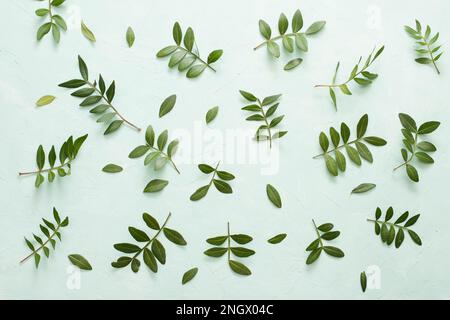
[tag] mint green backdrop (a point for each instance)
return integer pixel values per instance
(101, 206)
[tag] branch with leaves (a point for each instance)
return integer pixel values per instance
(67, 153)
(55, 23)
(157, 155)
(187, 57)
(288, 38)
(218, 182)
(51, 231)
(387, 230)
(324, 232)
(413, 148)
(152, 248)
(98, 95)
(338, 163)
(240, 252)
(426, 45)
(359, 74)
(264, 131)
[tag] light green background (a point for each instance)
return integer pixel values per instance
(102, 206)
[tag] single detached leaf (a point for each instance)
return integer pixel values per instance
(292, 64)
(167, 105)
(112, 168)
(211, 114)
(277, 239)
(155, 185)
(45, 100)
(273, 195)
(189, 275)
(87, 32)
(363, 280)
(79, 261)
(364, 187)
(130, 36)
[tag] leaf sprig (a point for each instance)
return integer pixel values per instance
(218, 182)
(157, 155)
(55, 23)
(264, 131)
(338, 163)
(415, 149)
(152, 248)
(387, 230)
(50, 231)
(359, 74)
(67, 153)
(288, 39)
(324, 232)
(217, 251)
(99, 95)
(426, 44)
(187, 57)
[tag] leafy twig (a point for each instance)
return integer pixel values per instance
(317, 246)
(56, 21)
(219, 183)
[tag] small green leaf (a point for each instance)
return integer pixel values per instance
(199, 193)
(174, 236)
(273, 48)
(211, 114)
(214, 56)
(159, 251)
(195, 71)
(45, 100)
(273, 195)
(216, 252)
(412, 173)
(239, 268)
(222, 186)
(364, 187)
(241, 238)
(130, 36)
(79, 261)
(112, 168)
(297, 21)
(292, 64)
(265, 30)
(217, 241)
(87, 32)
(189, 275)
(363, 281)
(167, 105)
(428, 127)
(151, 222)
(315, 27)
(155, 185)
(277, 239)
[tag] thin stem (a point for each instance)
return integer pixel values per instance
(170, 159)
(214, 174)
(318, 234)
(389, 223)
(42, 245)
(198, 58)
(412, 154)
(154, 237)
(229, 241)
(50, 10)
(339, 147)
(275, 38)
(45, 170)
(344, 83)
(112, 107)
(267, 123)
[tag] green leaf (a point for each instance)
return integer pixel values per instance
(399, 238)
(216, 252)
(39, 180)
(314, 255)
(122, 262)
(167, 105)
(345, 132)
(273, 48)
(411, 221)
(248, 96)
(211, 114)
(293, 64)
(41, 12)
(135, 264)
(301, 42)
(45, 100)
(315, 27)
(159, 251)
(265, 30)
(282, 24)
(164, 52)
(330, 235)
(412, 173)
(273, 195)
(241, 238)
(127, 247)
(162, 140)
(353, 154)
(172, 148)
(423, 157)
(364, 152)
(288, 43)
(43, 30)
(297, 21)
(415, 237)
(333, 251)
(189, 275)
(325, 227)
(75, 83)
(345, 89)
(139, 151)
(174, 236)
(151, 222)
(113, 126)
(428, 127)
(177, 33)
(375, 141)
(225, 175)
(205, 168)
(138, 235)
(362, 81)
(277, 239)
(424, 60)
(324, 142)
(149, 260)
(155, 185)
(362, 126)
(199, 193)
(84, 92)
(217, 241)
(79, 261)
(40, 157)
(363, 281)
(111, 91)
(239, 268)
(426, 146)
(407, 122)
(112, 168)
(333, 97)
(189, 39)
(195, 71)
(222, 186)
(89, 101)
(130, 36)
(214, 56)
(340, 160)
(60, 22)
(364, 187)
(242, 252)
(87, 32)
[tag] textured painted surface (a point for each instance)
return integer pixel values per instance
(102, 206)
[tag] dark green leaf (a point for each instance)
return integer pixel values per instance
(189, 275)
(80, 262)
(277, 239)
(273, 195)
